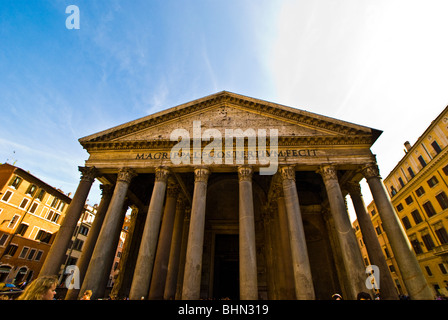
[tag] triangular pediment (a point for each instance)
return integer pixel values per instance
(226, 110)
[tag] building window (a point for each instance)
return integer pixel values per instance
(50, 215)
(428, 271)
(13, 221)
(34, 207)
(39, 255)
(417, 217)
(41, 195)
(3, 239)
(411, 172)
(443, 200)
(409, 200)
(15, 182)
(54, 203)
(11, 250)
(22, 229)
(401, 182)
(24, 203)
(429, 209)
(436, 147)
(83, 230)
(432, 182)
(420, 191)
(442, 268)
(378, 230)
(442, 235)
(417, 247)
(24, 252)
(429, 243)
(373, 212)
(77, 245)
(406, 223)
(61, 206)
(399, 207)
(31, 254)
(31, 190)
(393, 191)
(7, 196)
(43, 236)
(56, 218)
(445, 170)
(422, 161)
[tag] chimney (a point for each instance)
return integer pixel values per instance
(408, 146)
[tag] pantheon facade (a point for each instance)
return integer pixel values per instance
(210, 220)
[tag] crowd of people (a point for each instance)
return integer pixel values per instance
(44, 288)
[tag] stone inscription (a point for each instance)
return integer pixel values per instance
(295, 153)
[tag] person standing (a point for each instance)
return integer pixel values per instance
(42, 288)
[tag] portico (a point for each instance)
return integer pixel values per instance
(288, 231)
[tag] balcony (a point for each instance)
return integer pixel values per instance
(441, 250)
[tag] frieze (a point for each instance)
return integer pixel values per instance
(248, 155)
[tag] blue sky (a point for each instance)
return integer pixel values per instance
(376, 63)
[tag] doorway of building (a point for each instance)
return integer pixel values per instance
(226, 282)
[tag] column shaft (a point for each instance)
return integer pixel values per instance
(387, 288)
(174, 259)
(183, 254)
(124, 266)
(100, 264)
(58, 249)
(92, 237)
(146, 254)
(157, 286)
(191, 288)
(247, 246)
(286, 287)
(351, 254)
(300, 262)
(411, 272)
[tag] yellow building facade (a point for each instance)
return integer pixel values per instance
(31, 212)
(418, 188)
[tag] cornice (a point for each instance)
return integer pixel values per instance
(289, 141)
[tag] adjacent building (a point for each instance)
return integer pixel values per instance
(418, 188)
(31, 212)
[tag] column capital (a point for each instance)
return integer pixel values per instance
(106, 189)
(172, 189)
(201, 174)
(288, 173)
(245, 173)
(88, 173)
(371, 170)
(126, 175)
(328, 172)
(181, 201)
(162, 174)
(187, 213)
(277, 191)
(353, 188)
